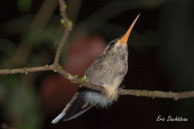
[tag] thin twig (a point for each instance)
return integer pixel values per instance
(83, 83)
(157, 94)
(26, 70)
(66, 22)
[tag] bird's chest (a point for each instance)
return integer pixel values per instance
(109, 73)
(108, 70)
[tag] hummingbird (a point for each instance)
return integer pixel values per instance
(108, 70)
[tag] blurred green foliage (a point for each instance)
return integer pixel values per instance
(24, 5)
(21, 103)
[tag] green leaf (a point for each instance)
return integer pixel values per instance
(75, 76)
(70, 23)
(62, 21)
(84, 78)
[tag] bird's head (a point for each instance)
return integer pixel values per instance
(122, 42)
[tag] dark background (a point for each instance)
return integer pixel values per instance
(161, 57)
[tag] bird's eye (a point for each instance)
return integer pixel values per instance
(112, 44)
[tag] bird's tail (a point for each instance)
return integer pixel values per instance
(73, 109)
(58, 118)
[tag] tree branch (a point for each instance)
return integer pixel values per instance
(83, 83)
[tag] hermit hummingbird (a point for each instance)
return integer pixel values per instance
(108, 70)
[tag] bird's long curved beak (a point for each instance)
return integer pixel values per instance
(125, 38)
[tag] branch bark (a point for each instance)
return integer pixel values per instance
(83, 83)
(26, 70)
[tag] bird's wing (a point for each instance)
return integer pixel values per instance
(74, 108)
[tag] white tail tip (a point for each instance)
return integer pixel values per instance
(58, 118)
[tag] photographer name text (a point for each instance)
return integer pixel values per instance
(171, 118)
